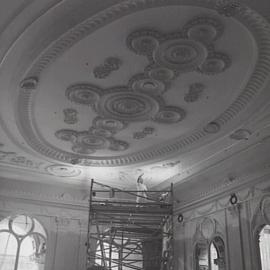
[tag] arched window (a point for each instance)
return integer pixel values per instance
(264, 244)
(22, 243)
(217, 254)
(213, 257)
(210, 256)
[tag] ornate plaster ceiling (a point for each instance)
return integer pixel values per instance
(114, 89)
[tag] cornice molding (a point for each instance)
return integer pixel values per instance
(220, 191)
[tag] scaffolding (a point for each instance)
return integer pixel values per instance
(127, 235)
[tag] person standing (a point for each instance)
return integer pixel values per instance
(141, 190)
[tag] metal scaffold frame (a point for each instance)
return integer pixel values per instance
(124, 234)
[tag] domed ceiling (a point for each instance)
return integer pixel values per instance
(111, 90)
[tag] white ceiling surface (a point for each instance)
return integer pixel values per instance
(67, 116)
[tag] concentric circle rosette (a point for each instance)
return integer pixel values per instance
(110, 124)
(144, 84)
(86, 94)
(128, 107)
(67, 135)
(117, 145)
(212, 127)
(101, 132)
(169, 115)
(160, 73)
(91, 141)
(182, 55)
(63, 170)
(203, 29)
(143, 41)
(215, 63)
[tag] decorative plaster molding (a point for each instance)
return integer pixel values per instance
(13, 158)
(110, 64)
(29, 83)
(214, 198)
(208, 227)
(63, 170)
(142, 134)
(70, 116)
(121, 105)
(228, 8)
(167, 165)
(257, 25)
(194, 92)
(240, 134)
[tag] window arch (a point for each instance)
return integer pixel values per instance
(210, 255)
(217, 254)
(22, 243)
(264, 247)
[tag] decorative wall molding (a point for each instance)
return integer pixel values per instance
(20, 201)
(216, 198)
(167, 165)
(12, 158)
(194, 53)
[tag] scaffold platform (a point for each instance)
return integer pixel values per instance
(127, 235)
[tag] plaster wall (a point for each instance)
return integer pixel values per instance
(238, 225)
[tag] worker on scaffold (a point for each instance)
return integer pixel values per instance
(141, 191)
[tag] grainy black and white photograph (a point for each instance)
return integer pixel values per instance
(134, 134)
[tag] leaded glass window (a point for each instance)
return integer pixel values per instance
(22, 243)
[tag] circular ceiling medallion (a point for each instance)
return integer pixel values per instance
(101, 132)
(161, 73)
(63, 170)
(180, 54)
(117, 145)
(93, 142)
(204, 29)
(86, 94)
(128, 106)
(141, 83)
(110, 124)
(170, 115)
(66, 135)
(215, 63)
(143, 42)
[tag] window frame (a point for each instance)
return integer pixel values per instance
(20, 238)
